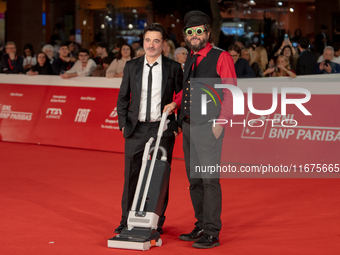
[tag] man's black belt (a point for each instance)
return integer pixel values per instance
(149, 123)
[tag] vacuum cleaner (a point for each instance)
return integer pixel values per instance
(141, 231)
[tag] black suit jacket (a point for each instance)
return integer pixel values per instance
(306, 63)
(319, 44)
(243, 69)
(131, 87)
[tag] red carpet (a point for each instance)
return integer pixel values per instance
(67, 201)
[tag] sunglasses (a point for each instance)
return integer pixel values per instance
(190, 31)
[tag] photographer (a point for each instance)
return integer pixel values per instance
(327, 66)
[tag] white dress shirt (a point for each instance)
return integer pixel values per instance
(80, 70)
(116, 67)
(156, 92)
(29, 60)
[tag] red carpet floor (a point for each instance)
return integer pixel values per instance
(67, 201)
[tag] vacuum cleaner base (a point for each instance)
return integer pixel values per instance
(135, 239)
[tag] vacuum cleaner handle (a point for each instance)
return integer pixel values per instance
(162, 127)
(142, 172)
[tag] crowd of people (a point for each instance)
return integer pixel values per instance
(70, 60)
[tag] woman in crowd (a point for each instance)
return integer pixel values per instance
(29, 58)
(125, 53)
(181, 54)
(289, 52)
(169, 49)
(242, 67)
(73, 52)
(247, 55)
(282, 68)
(92, 49)
(49, 51)
(42, 67)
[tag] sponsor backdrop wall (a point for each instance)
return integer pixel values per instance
(81, 113)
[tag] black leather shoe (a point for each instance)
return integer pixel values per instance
(160, 230)
(194, 235)
(206, 242)
(120, 228)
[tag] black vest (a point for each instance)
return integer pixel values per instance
(205, 78)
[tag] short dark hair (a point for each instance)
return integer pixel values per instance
(106, 60)
(304, 42)
(157, 28)
(103, 45)
(64, 44)
(235, 48)
(84, 51)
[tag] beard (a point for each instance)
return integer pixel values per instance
(199, 46)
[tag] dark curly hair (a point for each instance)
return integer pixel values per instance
(156, 27)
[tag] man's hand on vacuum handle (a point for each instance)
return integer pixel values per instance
(172, 107)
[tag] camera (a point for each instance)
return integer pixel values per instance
(327, 62)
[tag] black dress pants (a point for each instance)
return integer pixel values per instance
(201, 148)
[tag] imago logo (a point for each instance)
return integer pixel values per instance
(53, 113)
(82, 115)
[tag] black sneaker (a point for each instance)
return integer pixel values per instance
(194, 235)
(206, 242)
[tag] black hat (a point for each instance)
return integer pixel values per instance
(196, 18)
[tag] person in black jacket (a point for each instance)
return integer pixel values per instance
(242, 67)
(42, 67)
(321, 40)
(306, 62)
(11, 62)
(64, 62)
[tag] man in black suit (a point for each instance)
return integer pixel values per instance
(306, 61)
(139, 112)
